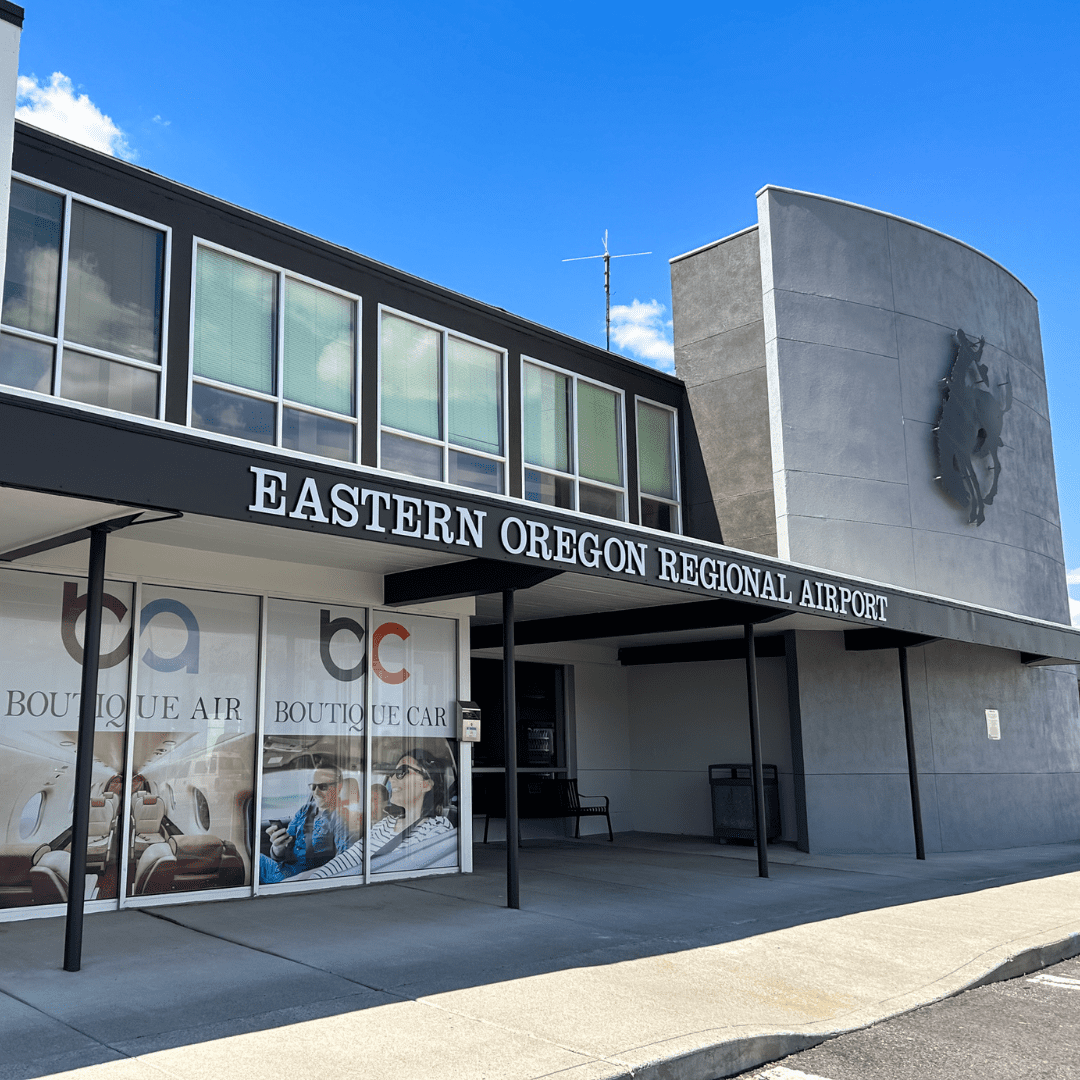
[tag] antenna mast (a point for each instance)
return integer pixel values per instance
(607, 257)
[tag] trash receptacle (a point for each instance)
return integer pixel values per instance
(733, 802)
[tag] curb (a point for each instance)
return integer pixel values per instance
(734, 1056)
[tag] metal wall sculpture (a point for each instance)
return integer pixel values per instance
(968, 432)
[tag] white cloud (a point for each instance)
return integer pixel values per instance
(642, 330)
(1074, 611)
(1073, 576)
(55, 106)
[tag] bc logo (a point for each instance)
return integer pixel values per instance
(392, 629)
(187, 659)
(327, 629)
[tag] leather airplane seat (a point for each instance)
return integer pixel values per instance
(147, 814)
(99, 835)
(206, 861)
(156, 870)
(16, 862)
(49, 877)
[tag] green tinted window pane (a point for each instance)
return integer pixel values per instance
(474, 377)
(319, 336)
(32, 274)
(115, 284)
(599, 434)
(235, 321)
(547, 412)
(410, 377)
(655, 451)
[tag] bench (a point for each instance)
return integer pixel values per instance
(540, 797)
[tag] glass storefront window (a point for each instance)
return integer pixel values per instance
(274, 357)
(111, 268)
(178, 768)
(572, 436)
(42, 618)
(413, 811)
(312, 807)
(194, 742)
(440, 392)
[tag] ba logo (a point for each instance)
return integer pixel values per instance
(187, 659)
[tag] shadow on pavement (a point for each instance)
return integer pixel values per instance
(173, 976)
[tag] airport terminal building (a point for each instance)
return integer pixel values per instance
(319, 475)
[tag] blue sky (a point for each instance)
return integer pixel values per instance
(478, 144)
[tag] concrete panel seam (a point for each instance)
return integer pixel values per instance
(847, 520)
(718, 334)
(838, 300)
(824, 345)
(999, 346)
(1056, 524)
(848, 476)
(998, 543)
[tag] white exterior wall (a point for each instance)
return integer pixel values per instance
(685, 717)
(604, 756)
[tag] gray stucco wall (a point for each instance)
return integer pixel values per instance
(859, 312)
(720, 355)
(975, 792)
(685, 717)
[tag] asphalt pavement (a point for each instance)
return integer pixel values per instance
(1027, 1028)
(661, 958)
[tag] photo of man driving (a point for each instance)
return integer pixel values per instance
(318, 831)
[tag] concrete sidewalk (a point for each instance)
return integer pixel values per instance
(656, 957)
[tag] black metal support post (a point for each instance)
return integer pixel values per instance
(755, 752)
(913, 769)
(510, 741)
(84, 759)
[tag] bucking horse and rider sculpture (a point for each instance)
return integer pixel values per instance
(968, 432)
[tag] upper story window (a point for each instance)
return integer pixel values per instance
(573, 442)
(274, 357)
(84, 301)
(658, 467)
(441, 406)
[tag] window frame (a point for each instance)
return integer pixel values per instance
(444, 443)
(676, 475)
(575, 477)
(57, 341)
(278, 400)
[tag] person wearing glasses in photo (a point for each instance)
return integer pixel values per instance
(318, 831)
(416, 831)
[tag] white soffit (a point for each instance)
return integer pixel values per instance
(29, 517)
(257, 541)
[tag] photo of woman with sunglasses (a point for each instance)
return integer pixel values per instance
(419, 828)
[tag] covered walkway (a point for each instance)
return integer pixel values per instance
(623, 957)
